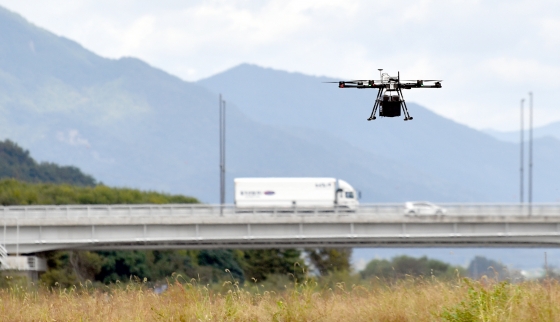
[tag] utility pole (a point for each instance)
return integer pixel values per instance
(522, 158)
(222, 154)
(530, 152)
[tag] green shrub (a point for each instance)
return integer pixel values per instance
(483, 303)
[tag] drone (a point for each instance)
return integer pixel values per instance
(390, 99)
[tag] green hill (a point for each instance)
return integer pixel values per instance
(23, 181)
(16, 163)
(13, 192)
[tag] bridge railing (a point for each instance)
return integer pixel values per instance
(512, 209)
(149, 210)
(86, 211)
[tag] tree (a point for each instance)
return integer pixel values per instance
(122, 265)
(480, 266)
(260, 264)
(327, 260)
(220, 260)
(401, 266)
(378, 267)
(71, 267)
(164, 263)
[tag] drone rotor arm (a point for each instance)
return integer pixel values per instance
(438, 85)
(424, 80)
(408, 84)
(345, 85)
(351, 81)
(363, 83)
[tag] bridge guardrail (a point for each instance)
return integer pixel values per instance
(148, 210)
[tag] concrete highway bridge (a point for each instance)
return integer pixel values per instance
(33, 229)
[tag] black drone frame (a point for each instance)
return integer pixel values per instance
(389, 105)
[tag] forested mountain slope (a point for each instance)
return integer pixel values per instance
(16, 163)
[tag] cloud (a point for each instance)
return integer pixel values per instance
(483, 50)
(73, 138)
(100, 159)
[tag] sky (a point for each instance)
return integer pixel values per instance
(490, 54)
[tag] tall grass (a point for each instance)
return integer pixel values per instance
(413, 299)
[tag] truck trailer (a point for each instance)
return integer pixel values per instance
(298, 193)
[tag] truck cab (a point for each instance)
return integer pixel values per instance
(346, 195)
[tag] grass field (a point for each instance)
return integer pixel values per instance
(413, 299)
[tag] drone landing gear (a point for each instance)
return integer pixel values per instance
(407, 116)
(376, 105)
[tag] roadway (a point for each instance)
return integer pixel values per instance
(33, 229)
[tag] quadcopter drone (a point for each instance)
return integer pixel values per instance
(390, 99)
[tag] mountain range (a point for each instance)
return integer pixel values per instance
(549, 130)
(130, 124)
(469, 164)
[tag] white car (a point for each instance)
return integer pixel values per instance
(423, 208)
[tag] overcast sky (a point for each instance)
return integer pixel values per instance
(490, 54)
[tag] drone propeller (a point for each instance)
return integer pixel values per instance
(425, 80)
(352, 81)
(399, 80)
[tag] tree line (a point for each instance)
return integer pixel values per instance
(14, 192)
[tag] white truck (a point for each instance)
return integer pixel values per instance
(294, 192)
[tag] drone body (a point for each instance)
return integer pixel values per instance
(389, 99)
